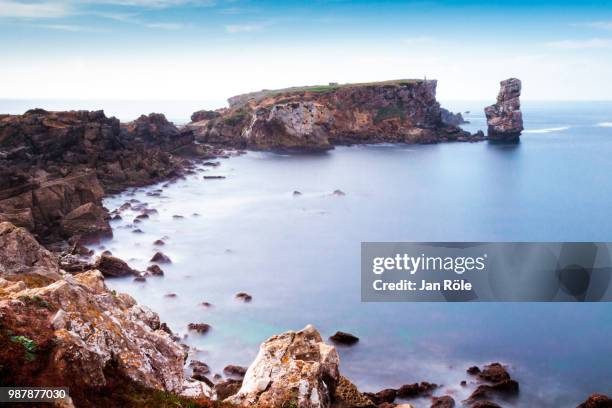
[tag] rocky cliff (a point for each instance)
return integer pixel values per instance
(504, 118)
(71, 331)
(317, 118)
(56, 166)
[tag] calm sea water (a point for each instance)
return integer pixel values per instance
(299, 256)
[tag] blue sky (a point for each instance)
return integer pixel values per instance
(211, 49)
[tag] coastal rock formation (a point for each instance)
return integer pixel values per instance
(319, 117)
(22, 255)
(292, 369)
(597, 401)
(72, 331)
(52, 163)
(504, 118)
(450, 118)
(498, 383)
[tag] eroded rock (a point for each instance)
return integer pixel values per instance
(504, 118)
(292, 369)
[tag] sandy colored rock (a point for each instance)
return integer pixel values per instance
(292, 369)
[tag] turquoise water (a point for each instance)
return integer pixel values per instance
(299, 256)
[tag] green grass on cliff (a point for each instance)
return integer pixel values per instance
(320, 89)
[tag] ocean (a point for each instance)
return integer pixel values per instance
(298, 256)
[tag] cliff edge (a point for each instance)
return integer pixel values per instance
(316, 118)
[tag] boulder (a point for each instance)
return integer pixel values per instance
(504, 118)
(442, 402)
(234, 370)
(347, 395)
(597, 401)
(493, 372)
(416, 389)
(159, 257)
(86, 220)
(21, 254)
(291, 369)
(387, 395)
(113, 267)
(346, 339)
(204, 115)
(199, 327)
(155, 270)
(226, 388)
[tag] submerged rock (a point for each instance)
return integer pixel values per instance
(347, 339)
(498, 383)
(504, 118)
(245, 297)
(199, 327)
(155, 270)
(292, 369)
(159, 257)
(114, 267)
(416, 389)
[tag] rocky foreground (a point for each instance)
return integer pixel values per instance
(318, 118)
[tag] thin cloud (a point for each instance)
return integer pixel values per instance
(165, 26)
(243, 28)
(64, 27)
(154, 3)
(601, 25)
(16, 9)
(591, 43)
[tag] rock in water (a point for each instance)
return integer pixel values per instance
(293, 369)
(347, 339)
(504, 118)
(597, 401)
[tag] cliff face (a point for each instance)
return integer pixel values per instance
(71, 331)
(55, 166)
(317, 118)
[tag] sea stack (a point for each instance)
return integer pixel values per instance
(504, 118)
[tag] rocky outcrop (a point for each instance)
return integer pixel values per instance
(292, 369)
(452, 119)
(597, 401)
(22, 255)
(504, 118)
(72, 331)
(56, 166)
(497, 383)
(317, 118)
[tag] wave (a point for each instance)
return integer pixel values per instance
(605, 124)
(548, 130)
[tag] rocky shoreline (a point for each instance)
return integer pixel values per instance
(61, 325)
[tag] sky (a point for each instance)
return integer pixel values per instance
(213, 49)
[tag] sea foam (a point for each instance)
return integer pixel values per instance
(548, 130)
